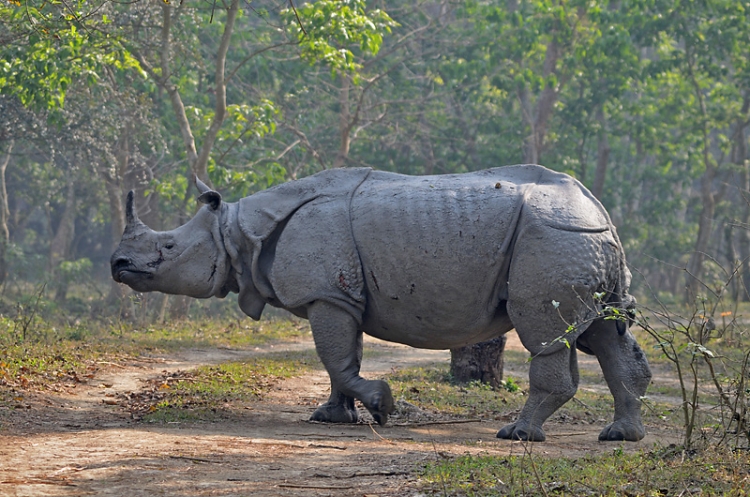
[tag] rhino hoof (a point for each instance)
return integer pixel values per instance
(381, 404)
(335, 413)
(621, 431)
(510, 432)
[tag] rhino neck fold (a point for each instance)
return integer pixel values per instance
(241, 253)
(222, 281)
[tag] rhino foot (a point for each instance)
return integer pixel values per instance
(380, 403)
(622, 430)
(335, 413)
(528, 434)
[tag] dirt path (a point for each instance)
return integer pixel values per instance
(76, 443)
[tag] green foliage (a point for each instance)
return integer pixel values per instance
(52, 47)
(75, 270)
(330, 30)
(657, 472)
(438, 89)
(510, 384)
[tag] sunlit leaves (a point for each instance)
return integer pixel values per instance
(330, 31)
(52, 47)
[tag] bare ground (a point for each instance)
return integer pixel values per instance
(80, 442)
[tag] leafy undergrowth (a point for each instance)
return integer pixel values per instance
(49, 366)
(431, 388)
(36, 354)
(210, 392)
(657, 473)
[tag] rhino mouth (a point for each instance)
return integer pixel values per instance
(125, 272)
(125, 275)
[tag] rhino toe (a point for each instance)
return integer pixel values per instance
(622, 431)
(335, 413)
(513, 432)
(381, 402)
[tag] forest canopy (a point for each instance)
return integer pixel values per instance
(647, 102)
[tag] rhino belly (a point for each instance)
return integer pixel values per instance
(433, 257)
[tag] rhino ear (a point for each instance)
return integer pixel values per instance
(207, 196)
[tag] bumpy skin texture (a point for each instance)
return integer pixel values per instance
(432, 261)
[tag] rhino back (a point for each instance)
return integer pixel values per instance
(560, 201)
(435, 250)
(434, 253)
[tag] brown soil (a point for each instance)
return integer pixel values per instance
(81, 442)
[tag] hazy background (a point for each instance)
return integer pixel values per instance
(647, 102)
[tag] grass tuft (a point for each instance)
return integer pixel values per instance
(210, 392)
(36, 354)
(432, 388)
(652, 473)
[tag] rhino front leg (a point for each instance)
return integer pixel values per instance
(339, 346)
(553, 380)
(627, 373)
(340, 408)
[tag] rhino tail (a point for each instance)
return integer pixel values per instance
(619, 297)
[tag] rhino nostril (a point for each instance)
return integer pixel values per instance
(120, 262)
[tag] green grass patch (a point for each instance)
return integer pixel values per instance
(657, 473)
(38, 354)
(208, 333)
(43, 366)
(432, 388)
(210, 392)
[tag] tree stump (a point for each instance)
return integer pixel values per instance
(481, 361)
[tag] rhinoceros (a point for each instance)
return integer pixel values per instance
(428, 261)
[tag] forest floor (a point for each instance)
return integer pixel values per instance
(82, 441)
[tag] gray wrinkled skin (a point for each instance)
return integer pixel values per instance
(428, 261)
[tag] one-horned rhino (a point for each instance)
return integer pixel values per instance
(429, 261)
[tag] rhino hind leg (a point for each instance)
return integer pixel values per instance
(553, 380)
(551, 282)
(627, 373)
(339, 346)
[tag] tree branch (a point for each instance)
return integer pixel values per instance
(201, 165)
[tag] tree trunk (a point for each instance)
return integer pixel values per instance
(117, 291)
(739, 157)
(4, 215)
(59, 248)
(730, 252)
(220, 89)
(482, 361)
(602, 157)
(198, 159)
(179, 307)
(538, 118)
(705, 223)
(345, 124)
(705, 227)
(743, 236)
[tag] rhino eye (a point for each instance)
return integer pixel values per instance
(169, 246)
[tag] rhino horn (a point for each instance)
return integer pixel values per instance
(131, 216)
(207, 195)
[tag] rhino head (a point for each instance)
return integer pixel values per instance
(190, 260)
